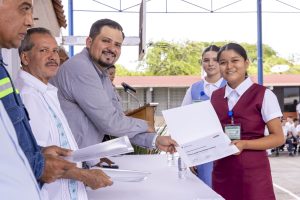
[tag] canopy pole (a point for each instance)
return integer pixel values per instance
(259, 44)
(71, 26)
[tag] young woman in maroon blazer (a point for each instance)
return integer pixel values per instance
(244, 109)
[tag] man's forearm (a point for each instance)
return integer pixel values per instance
(76, 174)
(144, 140)
(94, 178)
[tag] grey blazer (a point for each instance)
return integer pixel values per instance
(91, 106)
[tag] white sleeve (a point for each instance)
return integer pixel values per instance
(298, 128)
(298, 107)
(187, 98)
(270, 106)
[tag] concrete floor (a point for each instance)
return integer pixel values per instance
(286, 176)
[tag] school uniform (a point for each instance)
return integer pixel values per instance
(246, 176)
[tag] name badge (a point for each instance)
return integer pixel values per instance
(233, 131)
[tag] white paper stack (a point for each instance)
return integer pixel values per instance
(113, 147)
(124, 175)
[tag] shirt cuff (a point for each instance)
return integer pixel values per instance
(154, 142)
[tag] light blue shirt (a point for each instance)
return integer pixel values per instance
(91, 106)
(16, 178)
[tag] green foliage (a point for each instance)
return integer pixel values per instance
(173, 59)
(170, 58)
(122, 71)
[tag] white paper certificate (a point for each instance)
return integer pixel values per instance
(197, 130)
(113, 147)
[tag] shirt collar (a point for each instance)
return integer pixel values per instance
(216, 84)
(240, 90)
(1, 59)
(35, 82)
(219, 82)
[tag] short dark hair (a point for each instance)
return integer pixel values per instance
(235, 47)
(211, 48)
(98, 25)
(26, 43)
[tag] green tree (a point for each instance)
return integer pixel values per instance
(122, 71)
(170, 58)
(165, 58)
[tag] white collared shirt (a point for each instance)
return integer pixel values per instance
(270, 106)
(298, 129)
(16, 178)
(209, 88)
(36, 97)
(298, 108)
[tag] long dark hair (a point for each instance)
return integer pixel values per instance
(210, 48)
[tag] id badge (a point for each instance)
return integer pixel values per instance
(233, 131)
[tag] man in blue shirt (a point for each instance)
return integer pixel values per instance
(46, 164)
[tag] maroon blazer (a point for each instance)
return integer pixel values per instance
(246, 176)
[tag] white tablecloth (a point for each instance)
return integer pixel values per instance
(162, 183)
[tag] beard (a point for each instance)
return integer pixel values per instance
(100, 62)
(104, 64)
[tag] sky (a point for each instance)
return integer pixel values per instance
(236, 22)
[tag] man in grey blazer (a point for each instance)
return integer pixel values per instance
(87, 96)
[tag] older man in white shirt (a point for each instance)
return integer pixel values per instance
(40, 62)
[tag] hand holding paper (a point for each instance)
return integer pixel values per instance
(166, 143)
(198, 131)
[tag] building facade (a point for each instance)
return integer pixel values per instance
(169, 91)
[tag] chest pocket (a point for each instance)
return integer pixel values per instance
(16, 112)
(11, 101)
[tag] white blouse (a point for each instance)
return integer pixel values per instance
(270, 106)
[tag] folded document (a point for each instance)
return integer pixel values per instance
(198, 131)
(113, 147)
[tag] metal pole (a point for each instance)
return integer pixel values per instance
(71, 26)
(259, 44)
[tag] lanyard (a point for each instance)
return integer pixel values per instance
(230, 115)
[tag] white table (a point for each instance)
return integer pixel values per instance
(162, 183)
